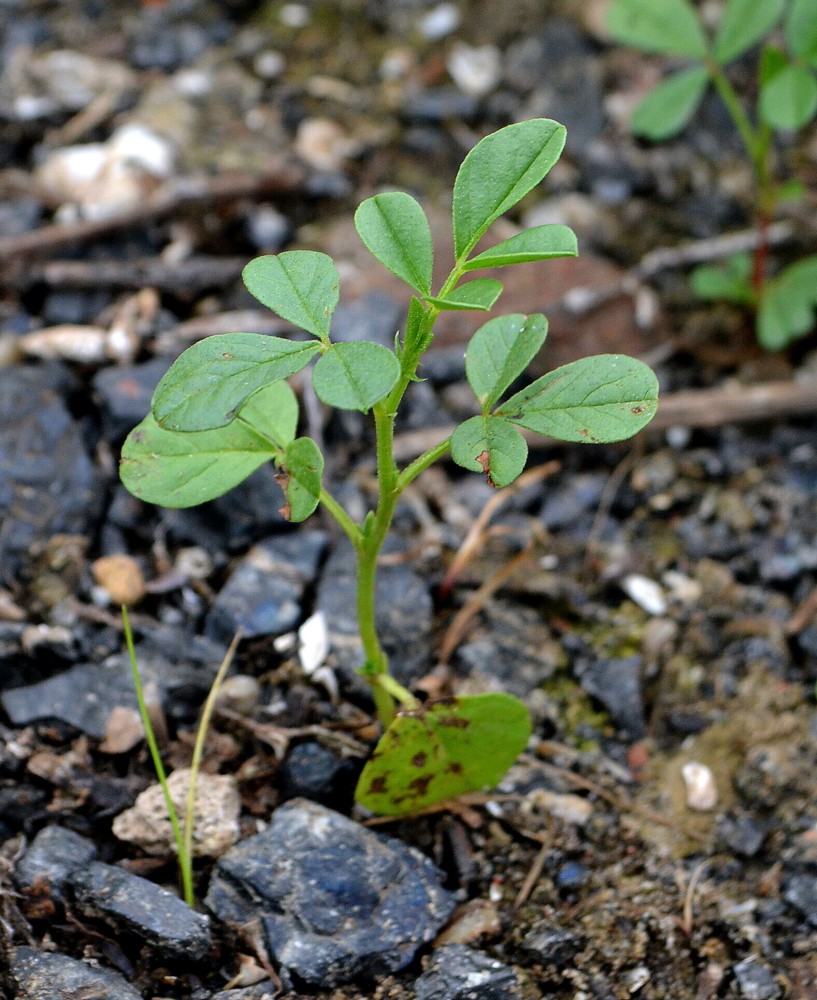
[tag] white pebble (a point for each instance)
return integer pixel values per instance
(295, 15)
(702, 795)
(646, 593)
(313, 638)
(476, 71)
(439, 22)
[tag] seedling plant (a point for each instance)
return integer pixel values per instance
(224, 408)
(785, 304)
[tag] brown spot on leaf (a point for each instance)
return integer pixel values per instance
(453, 722)
(285, 512)
(420, 785)
(226, 354)
(638, 410)
(419, 759)
(454, 768)
(377, 787)
(484, 459)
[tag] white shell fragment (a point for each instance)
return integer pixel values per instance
(439, 21)
(646, 593)
(702, 794)
(475, 70)
(215, 825)
(313, 643)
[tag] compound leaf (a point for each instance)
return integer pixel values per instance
(490, 445)
(607, 397)
(670, 106)
(743, 24)
(302, 286)
(395, 230)
(462, 745)
(538, 243)
(207, 384)
(789, 99)
(669, 26)
(355, 375)
(479, 294)
(299, 476)
(498, 172)
(499, 352)
(801, 29)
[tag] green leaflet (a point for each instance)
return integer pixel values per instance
(539, 243)
(204, 387)
(461, 745)
(302, 286)
(668, 107)
(668, 26)
(499, 352)
(743, 24)
(788, 307)
(608, 397)
(299, 476)
(498, 172)
(729, 281)
(479, 294)
(491, 445)
(801, 29)
(356, 375)
(789, 99)
(183, 469)
(395, 230)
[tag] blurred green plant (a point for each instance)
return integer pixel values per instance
(785, 303)
(223, 409)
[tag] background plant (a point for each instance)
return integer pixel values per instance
(224, 408)
(786, 99)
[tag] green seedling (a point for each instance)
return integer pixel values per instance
(223, 409)
(182, 831)
(784, 304)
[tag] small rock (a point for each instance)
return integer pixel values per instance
(646, 593)
(215, 827)
(756, 981)
(101, 179)
(571, 875)
(743, 834)
(123, 730)
(439, 22)
(263, 594)
(121, 576)
(551, 946)
(45, 975)
(475, 70)
(261, 991)
(701, 790)
(335, 900)
(439, 104)
(70, 342)
(459, 973)
(134, 905)
(51, 857)
(564, 806)
(476, 919)
(323, 144)
(241, 693)
(124, 393)
(314, 772)
(617, 685)
(801, 893)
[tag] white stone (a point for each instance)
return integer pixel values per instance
(313, 643)
(702, 793)
(475, 70)
(646, 593)
(439, 22)
(215, 826)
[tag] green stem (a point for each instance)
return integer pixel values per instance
(198, 747)
(737, 112)
(428, 458)
(185, 858)
(350, 528)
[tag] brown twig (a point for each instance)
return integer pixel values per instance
(459, 626)
(476, 533)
